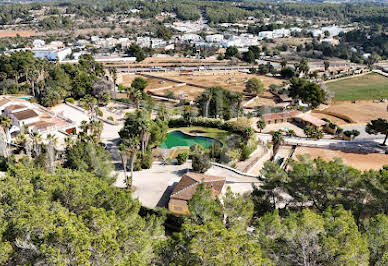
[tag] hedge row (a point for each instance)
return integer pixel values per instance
(230, 126)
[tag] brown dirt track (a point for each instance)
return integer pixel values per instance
(358, 161)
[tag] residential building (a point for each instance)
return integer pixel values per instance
(281, 33)
(333, 30)
(51, 53)
(274, 118)
(25, 117)
(190, 37)
(158, 43)
(293, 116)
(33, 117)
(185, 189)
(266, 34)
(143, 42)
(38, 43)
(215, 38)
(308, 119)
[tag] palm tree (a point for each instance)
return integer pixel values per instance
(124, 152)
(209, 95)
(277, 140)
(291, 133)
(137, 97)
(89, 103)
(36, 141)
(96, 128)
(51, 147)
(113, 73)
(261, 124)
(133, 147)
(5, 123)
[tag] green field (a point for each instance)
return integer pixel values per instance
(366, 87)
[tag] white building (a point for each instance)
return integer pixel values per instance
(244, 40)
(295, 29)
(143, 41)
(24, 117)
(281, 33)
(38, 43)
(51, 54)
(316, 33)
(333, 30)
(330, 41)
(56, 44)
(94, 39)
(158, 43)
(266, 34)
(191, 37)
(215, 38)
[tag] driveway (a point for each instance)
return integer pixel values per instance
(153, 186)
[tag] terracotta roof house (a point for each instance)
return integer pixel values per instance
(185, 189)
(27, 116)
(273, 118)
(308, 119)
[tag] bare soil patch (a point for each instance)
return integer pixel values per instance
(332, 119)
(361, 112)
(230, 80)
(355, 160)
(15, 33)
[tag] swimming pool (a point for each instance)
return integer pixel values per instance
(25, 98)
(178, 139)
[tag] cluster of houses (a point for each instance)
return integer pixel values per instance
(58, 51)
(31, 117)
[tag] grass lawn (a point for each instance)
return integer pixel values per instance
(366, 87)
(214, 133)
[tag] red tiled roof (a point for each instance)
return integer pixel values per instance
(284, 115)
(14, 107)
(26, 114)
(189, 182)
(311, 119)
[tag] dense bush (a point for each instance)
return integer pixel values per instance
(182, 157)
(146, 160)
(70, 100)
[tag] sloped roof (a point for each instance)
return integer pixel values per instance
(311, 119)
(189, 182)
(272, 116)
(26, 114)
(14, 107)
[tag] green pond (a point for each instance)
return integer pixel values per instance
(178, 138)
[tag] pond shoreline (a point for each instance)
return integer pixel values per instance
(191, 135)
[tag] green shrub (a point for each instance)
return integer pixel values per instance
(70, 100)
(200, 162)
(182, 157)
(3, 163)
(146, 160)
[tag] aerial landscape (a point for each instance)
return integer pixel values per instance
(194, 132)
